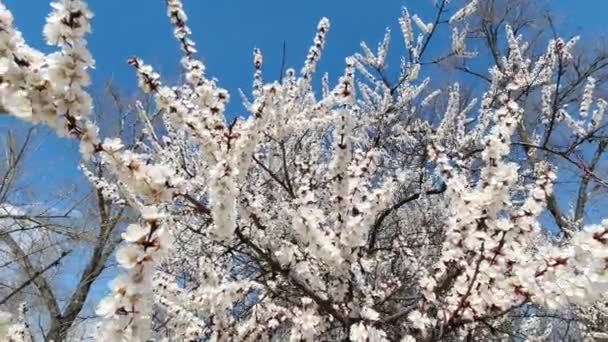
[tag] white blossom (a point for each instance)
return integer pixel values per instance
(464, 12)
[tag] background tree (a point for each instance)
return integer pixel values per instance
(38, 234)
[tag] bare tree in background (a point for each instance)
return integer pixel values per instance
(35, 242)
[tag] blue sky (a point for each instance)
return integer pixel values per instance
(226, 33)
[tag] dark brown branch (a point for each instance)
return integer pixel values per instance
(581, 200)
(33, 277)
(386, 212)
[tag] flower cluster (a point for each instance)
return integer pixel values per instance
(14, 329)
(127, 309)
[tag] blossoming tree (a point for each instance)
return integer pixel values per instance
(343, 213)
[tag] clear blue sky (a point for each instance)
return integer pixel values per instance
(226, 33)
